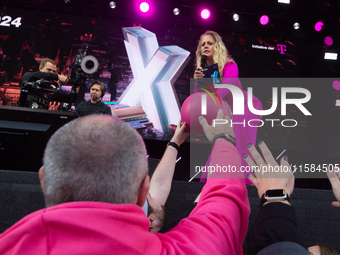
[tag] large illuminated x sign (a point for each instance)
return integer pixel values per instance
(155, 69)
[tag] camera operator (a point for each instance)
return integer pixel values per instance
(94, 105)
(41, 98)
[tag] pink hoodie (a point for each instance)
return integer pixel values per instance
(217, 225)
(244, 133)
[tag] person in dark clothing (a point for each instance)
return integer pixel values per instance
(46, 93)
(173, 223)
(276, 221)
(94, 105)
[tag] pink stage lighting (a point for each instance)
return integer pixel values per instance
(144, 7)
(264, 20)
(205, 14)
(328, 40)
(336, 85)
(318, 26)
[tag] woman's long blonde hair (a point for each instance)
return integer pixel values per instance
(220, 57)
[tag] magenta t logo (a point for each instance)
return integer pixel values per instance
(281, 48)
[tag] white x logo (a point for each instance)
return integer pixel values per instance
(154, 70)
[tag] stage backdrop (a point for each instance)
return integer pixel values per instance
(27, 37)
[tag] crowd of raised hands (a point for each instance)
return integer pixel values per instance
(275, 227)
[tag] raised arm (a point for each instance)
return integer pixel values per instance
(43, 75)
(334, 178)
(276, 221)
(219, 222)
(161, 179)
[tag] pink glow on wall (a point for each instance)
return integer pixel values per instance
(328, 40)
(336, 85)
(144, 7)
(318, 26)
(264, 20)
(205, 14)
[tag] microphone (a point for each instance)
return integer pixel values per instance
(203, 60)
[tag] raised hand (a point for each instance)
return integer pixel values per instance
(334, 178)
(267, 173)
(211, 131)
(180, 133)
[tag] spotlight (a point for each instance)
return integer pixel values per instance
(296, 25)
(67, 1)
(205, 14)
(328, 40)
(112, 5)
(144, 7)
(284, 1)
(176, 11)
(336, 85)
(318, 26)
(264, 20)
(331, 56)
(236, 17)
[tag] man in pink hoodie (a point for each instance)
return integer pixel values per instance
(94, 179)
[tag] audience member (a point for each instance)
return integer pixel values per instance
(334, 178)
(321, 249)
(94, 180)
(275, 229)
(160, 184)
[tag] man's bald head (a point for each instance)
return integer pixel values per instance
(94, 158)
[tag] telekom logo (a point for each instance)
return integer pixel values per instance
(281, 48)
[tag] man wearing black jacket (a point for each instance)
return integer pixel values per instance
(94, 105)
(40, 98)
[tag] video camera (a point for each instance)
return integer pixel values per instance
(34, 94)
(39, 93)
(82, 67)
